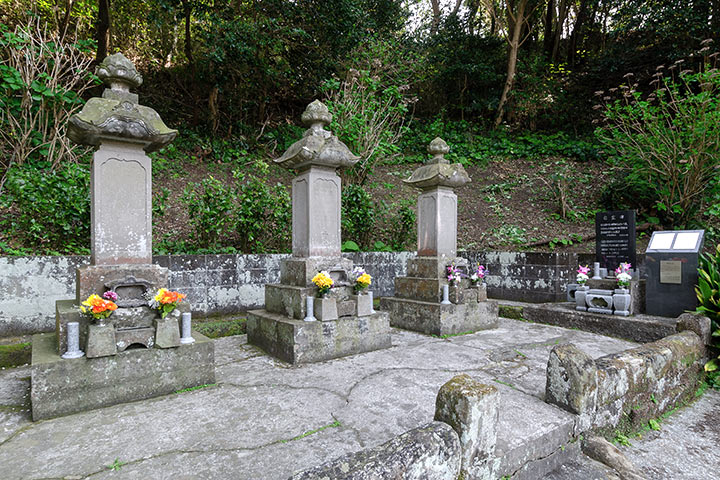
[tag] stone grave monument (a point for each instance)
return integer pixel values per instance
(134, 353)
(614, 244)
(341, 324)
(672, 260)
(615, 239)
(424, 301)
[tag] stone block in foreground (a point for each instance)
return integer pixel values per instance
(431, 452)
(435, 318)
(298, 341)
(62, 387)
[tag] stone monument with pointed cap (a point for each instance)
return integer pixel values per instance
(417, 304)
(122, 131)
(316, 191)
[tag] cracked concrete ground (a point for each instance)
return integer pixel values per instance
(266, 419)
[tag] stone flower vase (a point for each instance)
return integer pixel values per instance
(325, 309)
(481, 291)
(363, 304)
(457, 294)
(622, 301)
(580, 295)
(570, 290)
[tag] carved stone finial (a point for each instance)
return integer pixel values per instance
(116, 68)
(318, 146)
(438, 171)
(118, 114)
(316, 115)
(438, 148)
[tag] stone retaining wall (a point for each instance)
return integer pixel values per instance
(631, 386)
(221, 284)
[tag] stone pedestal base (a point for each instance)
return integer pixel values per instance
(297, 341)
(61, 387)
(436, 319)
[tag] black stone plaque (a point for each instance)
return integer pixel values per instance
(615, 238)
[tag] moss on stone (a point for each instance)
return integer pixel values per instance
(511, 311)
(15, 354)
(223, 327)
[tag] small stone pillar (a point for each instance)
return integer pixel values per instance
(472, 409)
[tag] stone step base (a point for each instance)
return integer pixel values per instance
(437, 319)
(298, 341)
(61, 387)
(637, 328)
(533, 437)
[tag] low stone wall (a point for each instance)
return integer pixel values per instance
(635, 385)
(223, 284)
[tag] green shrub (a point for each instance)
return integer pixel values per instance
(708, 295)
(669, 140)
(50, 209)
(210, 206)
(401, 225)
(358, 215)
(263, 213)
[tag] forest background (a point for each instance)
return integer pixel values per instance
(557, 108)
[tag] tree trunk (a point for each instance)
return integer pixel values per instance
(515, 22)
(102, 31)
(562, 16)
(549, 23)
(187, 9)
(62, 29)
(576, 35)
(435, 4)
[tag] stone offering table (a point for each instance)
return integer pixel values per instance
(417, 302)
(281, 328)
(133, 354)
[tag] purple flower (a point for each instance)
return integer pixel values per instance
(110, 295)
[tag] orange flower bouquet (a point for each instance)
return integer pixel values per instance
(98, 307)
(165, 301)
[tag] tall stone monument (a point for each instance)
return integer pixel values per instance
(112, 372)
(418, 303)
(285, 328)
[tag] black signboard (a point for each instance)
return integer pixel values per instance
(615, 238)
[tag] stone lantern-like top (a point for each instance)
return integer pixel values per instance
(438, 171)
(318, 147)
(118, 115)
(437, 204)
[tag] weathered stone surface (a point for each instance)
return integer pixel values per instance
(438, 171)
(93, 278)
(67, 311)
(100, 341)
(167, 331)
(646, 381)
(605, 452)
(422, 289)
(437, 223)
(325, 309)
(471, 409)
(438, 319)
(126, 337)
(637, 291)
(300, 271)
(572, 382)
(117, 114)
(698, 323)
(137, 316)
(363, 305)
(631, 386)
(61, 387)
(374, 396)
(297, 341)
(638, 328)
(431, 452)
(287, 300)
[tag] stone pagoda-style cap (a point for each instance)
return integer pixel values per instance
(117, 115)
(318, 146)
(438, 171)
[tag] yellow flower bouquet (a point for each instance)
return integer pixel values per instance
(323, 281)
